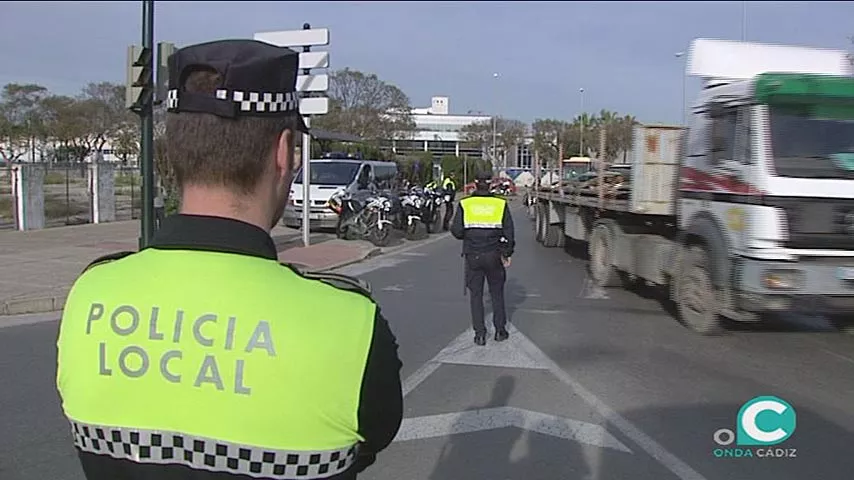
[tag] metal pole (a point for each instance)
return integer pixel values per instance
(305, 151)
(146, 145)
(494, 150)
(684, 78)
(581, 132)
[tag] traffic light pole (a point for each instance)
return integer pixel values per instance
(146, 144)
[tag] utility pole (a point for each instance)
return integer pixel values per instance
(601, 175)
(139, 97)
(581, 132)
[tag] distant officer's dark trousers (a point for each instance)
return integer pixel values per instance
(449, 214)
(480, 267)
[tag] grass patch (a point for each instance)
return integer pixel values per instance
(54, 178)
(57, 208)
(128, 180)
(6, 207)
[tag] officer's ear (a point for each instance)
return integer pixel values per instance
(287, 161)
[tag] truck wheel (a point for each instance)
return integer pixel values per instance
(601, 257)
(696, 300)
(554, 236)
(843, 322)
(541, 222)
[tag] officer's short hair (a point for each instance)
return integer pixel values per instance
(214, 141)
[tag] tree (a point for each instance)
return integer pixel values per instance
(107, 116)
(549, 134)
(66, 123)
(21, 119)
(508, 134)
(363, 105)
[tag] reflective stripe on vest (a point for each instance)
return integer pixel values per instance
(448, 182)
(150, 446)
(483, 212)
(150, 344)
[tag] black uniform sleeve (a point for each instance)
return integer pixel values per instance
(381, 400)
(457, 229)
(508, 231)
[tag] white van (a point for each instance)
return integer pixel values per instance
(329, 175)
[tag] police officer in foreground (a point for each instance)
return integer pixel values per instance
(202, 357)
(484, 224)
(449, 187)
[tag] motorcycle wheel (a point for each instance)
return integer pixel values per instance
(380, 237)
(417, 230)
(436, 224)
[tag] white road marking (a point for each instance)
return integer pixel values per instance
(394, 288)
(445, 424)
(508, 354)
(667, 459)
(591, 291)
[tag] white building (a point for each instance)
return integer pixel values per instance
(439, 132)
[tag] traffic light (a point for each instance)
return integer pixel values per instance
(138, 88)
(164, 51)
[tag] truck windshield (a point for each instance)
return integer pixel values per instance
(809, 146)
(330, 173)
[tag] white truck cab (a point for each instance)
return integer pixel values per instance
(767, 182)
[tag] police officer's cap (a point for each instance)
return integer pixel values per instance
(483, 176)
(258, 80)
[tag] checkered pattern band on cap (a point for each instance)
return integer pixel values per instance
(165, 448)
(249, 102)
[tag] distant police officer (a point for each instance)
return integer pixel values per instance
(484, 224)
(449, 187)
(202, 357)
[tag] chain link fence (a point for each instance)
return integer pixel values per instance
(67, 198)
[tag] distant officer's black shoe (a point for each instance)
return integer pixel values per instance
(501, 335)
(480, 339)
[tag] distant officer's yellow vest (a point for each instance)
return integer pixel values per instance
(483, 212)
(221, 362)
(448, 183)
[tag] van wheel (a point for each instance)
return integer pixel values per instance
(541, 222)
(696, 298)
(844, 323)
(601, 256)
(554, 236)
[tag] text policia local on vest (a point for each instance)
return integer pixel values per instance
(134, 361)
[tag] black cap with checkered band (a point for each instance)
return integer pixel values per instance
(258, 80)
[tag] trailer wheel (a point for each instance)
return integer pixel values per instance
(843, 322)
(696, 299)
(542, 212)
(554, 236)
(601, 257)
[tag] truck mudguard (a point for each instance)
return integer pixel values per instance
(707, 229)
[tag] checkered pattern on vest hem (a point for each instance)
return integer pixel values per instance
(255, 102)
(146, 446)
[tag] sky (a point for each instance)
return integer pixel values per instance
(621, 53)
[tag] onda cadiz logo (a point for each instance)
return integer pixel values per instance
(762, 424)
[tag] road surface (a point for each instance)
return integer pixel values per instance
(593, 384)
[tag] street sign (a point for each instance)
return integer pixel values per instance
(313, 83)
(314, 106)
(310, 85)
(314, 37)
(308, 60)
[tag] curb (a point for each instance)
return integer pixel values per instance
(55, 303)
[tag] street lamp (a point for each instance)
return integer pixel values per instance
(496, 76)
(581, 132)
(684, 75)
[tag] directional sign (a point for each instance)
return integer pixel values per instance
(313, 106)
(313, 60)
(313, 83)
(296, 38)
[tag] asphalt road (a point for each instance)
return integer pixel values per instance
(592, 384)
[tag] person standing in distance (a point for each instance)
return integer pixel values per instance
(449, 187)
(484, 223)
(201, 357)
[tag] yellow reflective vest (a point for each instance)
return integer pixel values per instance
(483, 212)
(241, 379)
(449, 183)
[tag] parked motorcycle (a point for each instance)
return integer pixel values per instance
(412, 214)
(362, 218)
(438, 199)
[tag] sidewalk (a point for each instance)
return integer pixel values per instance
(38, 267)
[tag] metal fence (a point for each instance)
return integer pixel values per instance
(67, 200)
